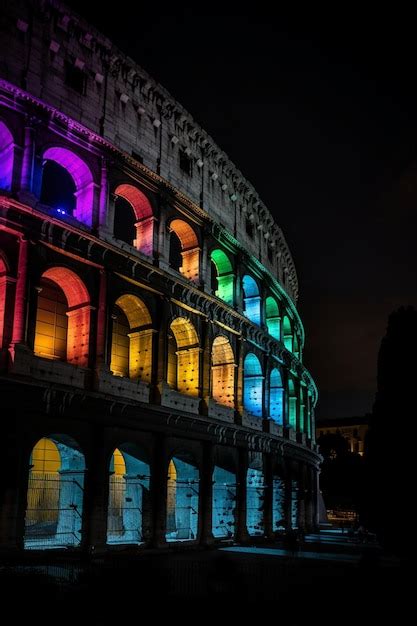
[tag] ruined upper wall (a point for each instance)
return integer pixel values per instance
(41, 40)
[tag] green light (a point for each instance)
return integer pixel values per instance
(225, 276)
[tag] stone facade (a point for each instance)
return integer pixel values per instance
(186, 366)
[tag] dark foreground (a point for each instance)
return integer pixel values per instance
(329, 580)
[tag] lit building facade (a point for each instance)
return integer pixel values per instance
(353, 429)
(153, 391)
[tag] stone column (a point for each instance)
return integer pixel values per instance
(18, 334)
(7, 294)
(268, 493)
(101, 320)
(96, 494)
(158, 487)
(26, 176)
(103, 213)
(13, 491)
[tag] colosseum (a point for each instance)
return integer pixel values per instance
(151, 372)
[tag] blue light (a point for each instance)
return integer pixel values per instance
(62, 211)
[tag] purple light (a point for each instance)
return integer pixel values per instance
(6, 157)
(83, 180)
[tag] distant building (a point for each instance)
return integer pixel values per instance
(353, 429)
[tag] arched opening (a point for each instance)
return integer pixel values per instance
(58, 188)
(182, 498)
(62, 317)
(255, 495)
(252, 385)
(278, 502)
(55, 494)
(128, 515)
(302, 409)
(224, 498)
(251, 300)
(223, 372)
(184, 258)
(6, 157)
(133, 218)
(296, 346)
(223, 275)
(287, 333)
(292, 404)
(183, 357)
(131, 348)
(83, 195)
(276, 397)
(273, 320)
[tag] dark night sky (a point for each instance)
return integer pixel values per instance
(320, 114)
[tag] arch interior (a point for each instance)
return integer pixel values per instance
(182, 500)
(224, 503)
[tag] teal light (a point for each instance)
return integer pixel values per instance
(292, 405)
(273, 320)
(287, 332)
(225, 277)
(252, 385)
(276, 397)
(251, 300)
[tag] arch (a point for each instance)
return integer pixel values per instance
(128, 513)
(223, 371)
(292, 403)
(287, 333)
(183, 357)
(144, 219)
(6, 157)
(62, 328)
(273, 320)
(251, 299)
(131, 347)
(276, 397)
(190, 251)
(224, 502)
(252, 385)
(255, 495)
(225, 277)
(296, 345)
(82, 177)
(182, 498)
(55, 494)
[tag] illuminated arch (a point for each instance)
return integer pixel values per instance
(292, 403)
(273, 320)
(251, 299)
(55, 494)
(223, 371)
(83, 180)
(6, 157)
(183, 357)
(276, 397)
(63, 317)
(128, 513)
(144, 219)
(182, 498)
(287, 333)
(252, 385)
(131, 348)
(224, 276)
(296, 345)
(190, 251)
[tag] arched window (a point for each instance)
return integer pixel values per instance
(251, 300)
(182, 498)
(63, 317)
(224, 501)
(287, 333)
(255, 495)
(252, 385)
(189, 252)
(133, 218)
(128, 516)
(131, 349)
(273, 320)
(83, 196)
(296, 346)
(58, 188)
(292, 404)
(6, 157)
(223, 276)
(183, 357)
(276, 397)
(55, 494)
(223, 372)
